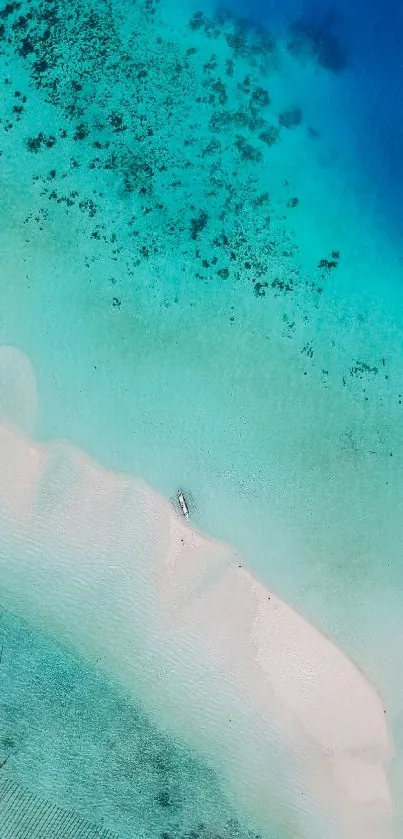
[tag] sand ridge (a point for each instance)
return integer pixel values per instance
(104, 560)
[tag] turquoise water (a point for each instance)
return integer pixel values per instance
(113, 764)
(210, 297)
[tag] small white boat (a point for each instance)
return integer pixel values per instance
(183, 503)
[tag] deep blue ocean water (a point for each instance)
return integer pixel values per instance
(361, 41)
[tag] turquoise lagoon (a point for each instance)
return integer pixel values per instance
(201, 276)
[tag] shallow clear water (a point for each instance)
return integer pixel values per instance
(207, 279)
(112, 765)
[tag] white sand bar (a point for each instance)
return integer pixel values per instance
(102, 561)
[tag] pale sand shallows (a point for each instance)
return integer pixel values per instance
(102, 561)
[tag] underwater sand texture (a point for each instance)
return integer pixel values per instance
(115, 767)
(103, 562)
(29, 817)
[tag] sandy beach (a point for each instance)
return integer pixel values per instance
(103, 562)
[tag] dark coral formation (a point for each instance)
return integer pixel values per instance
(180, 135)
(290, 118)
(327, 264)
(125, 107)
(316, 40)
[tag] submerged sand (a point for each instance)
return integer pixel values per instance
(103, 562)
